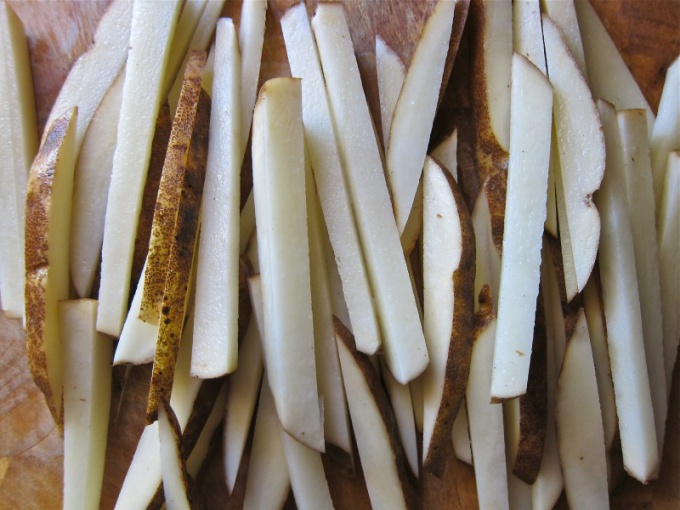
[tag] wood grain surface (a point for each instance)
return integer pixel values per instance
(647, 32)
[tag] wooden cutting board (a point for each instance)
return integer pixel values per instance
(646, 32)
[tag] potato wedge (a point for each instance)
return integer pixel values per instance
(48, 219)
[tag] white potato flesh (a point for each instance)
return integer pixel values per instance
(666, 132)
(598, 340)
(608, 74)
(95, 71)
(283, 250)
(307, 475)
(639, 190)
(460, 435)
(153, 24)
(403, 404)
(173, 468)
(669, 269)
(447, 154)
(137, 342)
(87, 398)
(199, 41)
(244, 387)
(442, 252)
(186, 25)
(391, 75)
(486, 426)
(250, 40)
(268, 481)
(403, 339)
(91, 188)
(372, 437)
(330, 183)
(525, 214)
(622, 312)
(415, 110)
(215, 350)
(581, 159)
(19, 137)
(527, 32)
(579, 425)
(144, 474)
(488, 261)
(203, 444)
(563, 14)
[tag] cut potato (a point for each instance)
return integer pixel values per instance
(19, 137)
(184, 155)
(391, 74)
(525, 214)
(415, 110)
(448, 286)
(93, 73)
(283, 252)
(666, 132)
(669, 269)
(216, 337)
(460, 436)
(639, 190)
(152, 28)
(404, 343)
(382, 456)
(328, 174)
(48, 218)
(268, 481)
(527, 32)
(189, 18)
(91, 187)
(579, 425)
(580, 144)
(446, 153)
(563, 14)
(608, 75)
(179, 262)
(87, 398)
(173, 463)
(622, 311)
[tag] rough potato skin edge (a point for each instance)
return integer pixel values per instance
(408, 483)
(180, 259)
(174, 168)
(38, 210)
(460, 346)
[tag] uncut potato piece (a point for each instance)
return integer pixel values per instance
(87, 398)
(332, 189)
(179, 265)
(581, 160)
(415, 110)
(283, 253)
(403, 339)
(622, 312)
(216, 337)
(150, 38)
(525, 214)
(19, 137)
(448, 274)
(579, 425)
(184, 155)
(93, 73)
(383, 461)
(48, 214)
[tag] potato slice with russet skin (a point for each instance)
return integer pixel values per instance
(180, 259)
(173, 463)
(388, 478)
(48, 218)
(448, 274)
(180, 157)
